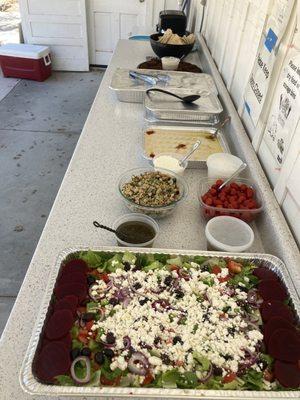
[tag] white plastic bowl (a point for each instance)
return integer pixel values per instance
(230, 234)
(222, 165)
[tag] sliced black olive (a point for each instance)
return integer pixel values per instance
(86, 352)
(75, 353)
(108, 353)
(87, 317)
(90, 280)
(110, 338)
(99, 358)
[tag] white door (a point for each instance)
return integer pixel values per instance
(111, 20)
(60, 25)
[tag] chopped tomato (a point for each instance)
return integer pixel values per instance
(89, 325)
(224, 279)
(216, 270)
(148, 379)
(108, 382)
(104, 277)
(83, 336)
(179, 363)
(231, 376)
(174, 268)
(234, 267)
(268, 375)
(81, 309)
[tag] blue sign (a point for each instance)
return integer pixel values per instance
(271, 40)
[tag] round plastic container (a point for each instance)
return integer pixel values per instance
(160, 161)
(228, 234)
(222, 165)
(170, 63)
(136, 217)
(246, 215)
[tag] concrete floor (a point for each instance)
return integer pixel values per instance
(40, 124)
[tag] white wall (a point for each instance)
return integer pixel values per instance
(235, 32)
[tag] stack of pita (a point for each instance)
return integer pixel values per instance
(172, 38)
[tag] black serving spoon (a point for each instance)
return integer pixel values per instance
(120, 235)
(186, 99)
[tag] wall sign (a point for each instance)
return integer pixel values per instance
(256, 90)
(285, 111)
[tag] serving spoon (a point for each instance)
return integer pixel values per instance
(194, 148)
(186, 99)
(120, 235)
(240, 169)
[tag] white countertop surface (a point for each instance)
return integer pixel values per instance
(110, 144)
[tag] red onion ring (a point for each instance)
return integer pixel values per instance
(183, 274)
(126, 342)
(207, 376)
(87, 377)
(138, 364)
(160, 305)
(254, 299)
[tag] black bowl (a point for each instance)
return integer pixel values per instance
(169, 50)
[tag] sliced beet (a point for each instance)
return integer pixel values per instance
(65, 340)
(272, 290)
(59, 324)
(71, 277)
(288, 375)
(53, 360)
(275, 323)
(284, 345)
(76, 289)
(263, 274)
(64, 304)
(275, 308)
(76, 265)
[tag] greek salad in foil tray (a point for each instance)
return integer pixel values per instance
(155, 320)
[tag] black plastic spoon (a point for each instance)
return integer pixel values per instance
(186, 99)
(120, 235)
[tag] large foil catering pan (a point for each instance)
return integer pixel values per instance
(32, 386)
(207, 109)
(133, 90)
(179, 139)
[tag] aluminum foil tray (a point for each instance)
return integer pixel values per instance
(133, 91)
(163, 107)
(30, 385)
(171, 139)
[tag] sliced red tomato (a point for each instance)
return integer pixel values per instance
(108, 382)
(83, 336)
(224, 279)
(216, 270)
(234, 267)
(148, 379)
(104, 277)
(231, 376)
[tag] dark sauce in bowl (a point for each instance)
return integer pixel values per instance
(135, 232)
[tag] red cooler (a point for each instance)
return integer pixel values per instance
(26, 61)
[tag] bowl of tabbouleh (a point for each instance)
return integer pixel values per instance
(155, 192)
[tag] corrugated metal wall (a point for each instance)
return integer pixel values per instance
(258, 40)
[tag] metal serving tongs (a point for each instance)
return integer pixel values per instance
(150, 79)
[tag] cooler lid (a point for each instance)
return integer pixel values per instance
(24, 50)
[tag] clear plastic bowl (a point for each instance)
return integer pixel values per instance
(136, 217)
(211, 211)
(228, 234)
(152, 211)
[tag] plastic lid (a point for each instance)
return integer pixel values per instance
(231, 234)
(24, 50)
